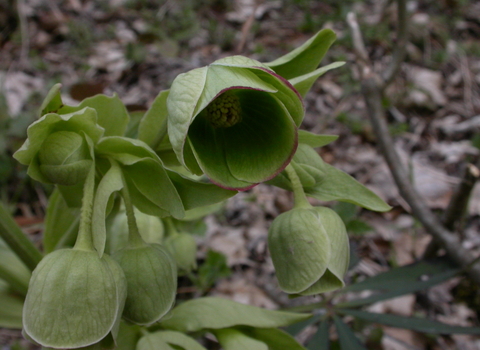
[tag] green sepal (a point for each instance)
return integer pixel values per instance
(111, 112)
(217, 313)
(303, 83)
(153, 126)
(52, 102)
(151, 277)
(305, 58)
(315, 140)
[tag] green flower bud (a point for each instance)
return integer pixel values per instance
(64, 158)
(310, 250)
(183, 248)
(75, 299)
(152, 282)
(59, 147)
(235, 120)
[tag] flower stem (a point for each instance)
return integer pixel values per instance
(134, 238)
(17, 240)
(85, 239)
(170, 226)
(300, 198)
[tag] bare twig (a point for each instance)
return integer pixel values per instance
(247, 26)
(457, 206)
(372, 90)
(358, 43)
(400, 45)
(24, 31)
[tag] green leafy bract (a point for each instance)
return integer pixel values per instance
(217, 313)
(330, 183)
(305, 58)
(150, 187)
(304, 83)
(258, 134)
(233, 339)
(175, 338)
(153, 125)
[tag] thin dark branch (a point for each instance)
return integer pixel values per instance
(372, 93)
(399, 49)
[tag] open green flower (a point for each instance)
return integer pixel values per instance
(235, 120)
(59, 148)
(310, 250)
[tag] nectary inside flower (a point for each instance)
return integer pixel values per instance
(224, 111)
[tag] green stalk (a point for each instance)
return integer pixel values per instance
(170, 226)
(85, 239)
(134, 238)
(17, 240)
(300, 198)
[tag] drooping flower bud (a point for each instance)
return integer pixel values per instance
(310, 250)
(75, 299)
(64, 158)
(183, 248)
(152, 282)
(59, 148)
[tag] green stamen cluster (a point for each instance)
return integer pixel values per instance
(224, 111)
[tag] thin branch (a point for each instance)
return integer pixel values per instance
(457, 206)
(358, 44)
(399, 50)
(373, 97)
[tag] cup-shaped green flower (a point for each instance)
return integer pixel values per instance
(151, 282)
(235, 120)
(183, 248)
(310, 250)
(59, 147)
(75, 299)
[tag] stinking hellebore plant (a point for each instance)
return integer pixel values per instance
(109, 276)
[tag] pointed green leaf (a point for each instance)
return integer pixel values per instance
(110, 183)
(233, 339)
(195, 194)
(296, 328)
(176, 338)
(408, 275)
(306, 58)
(61, 222)
(216, 313)
(10, 310)
(321, 338)
(276, 339)
(111, 112)
(153, 126)
(348, 340)
(414, 323)
(304, 83)
(53, 101)
(13, 270)
(149, 342)
(315, 140)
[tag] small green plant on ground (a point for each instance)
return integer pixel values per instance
(114, 243)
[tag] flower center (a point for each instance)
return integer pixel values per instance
(224, 111)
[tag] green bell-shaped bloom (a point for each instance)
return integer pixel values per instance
(235, 120)
(59, 147)
(183, 248)
(75, 299)
(152, 282)
(310, 250)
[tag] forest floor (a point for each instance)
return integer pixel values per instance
(136, 49)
